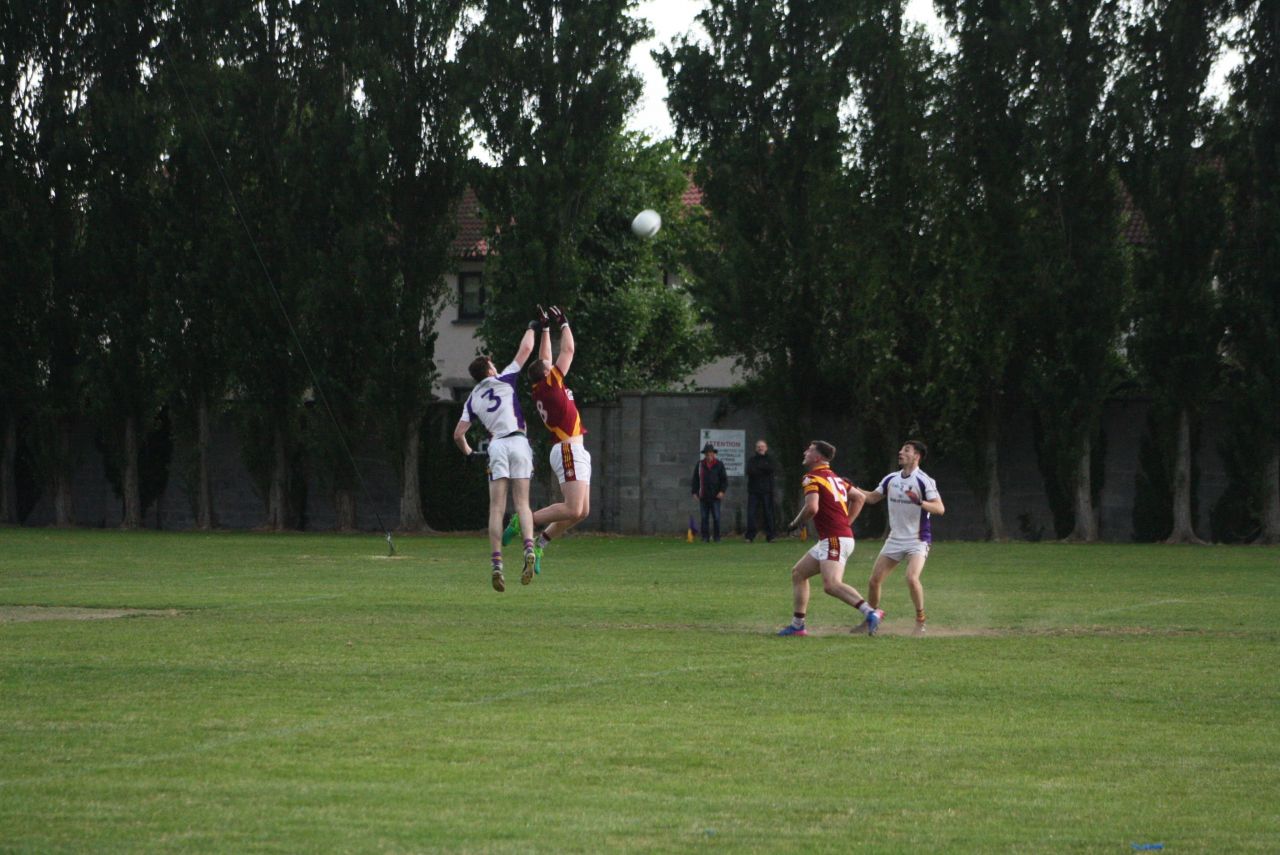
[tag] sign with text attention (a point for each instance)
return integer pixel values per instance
(731, 447)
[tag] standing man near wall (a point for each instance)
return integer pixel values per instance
(709, 483)
(569, 457)
(760, 472)
(913, 497)
(495, 404)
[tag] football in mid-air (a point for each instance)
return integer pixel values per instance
(646, 223)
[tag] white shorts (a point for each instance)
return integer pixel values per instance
(832, 549)
(571, 462)
(510, 457)
(898, 550)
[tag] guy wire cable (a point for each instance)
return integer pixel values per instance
(266, 273)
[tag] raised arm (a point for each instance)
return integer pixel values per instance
(565, 359)
(544, 346)
(526, 348)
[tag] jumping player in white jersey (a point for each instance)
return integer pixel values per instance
(494, 403)
(913, 499)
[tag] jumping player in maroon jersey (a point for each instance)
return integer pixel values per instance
(569, 457)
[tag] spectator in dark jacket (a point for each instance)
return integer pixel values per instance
(709, 483)
(760, 472)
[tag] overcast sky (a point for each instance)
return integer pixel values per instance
(670, 18)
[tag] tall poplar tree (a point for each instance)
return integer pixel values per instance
(1249, 266)
(270, 375)
(415, 92)
(1075, 237)
(983, 303)
(893, 261)
(758, 103)
(203, 260)
(120, 243)
(58, 64)
(23, 267)
(1171, 47)
(553, 90)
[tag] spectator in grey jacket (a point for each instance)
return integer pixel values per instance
(709, 483)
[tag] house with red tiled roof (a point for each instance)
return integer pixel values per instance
(457, 341)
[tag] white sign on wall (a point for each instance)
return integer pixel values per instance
(731, 447)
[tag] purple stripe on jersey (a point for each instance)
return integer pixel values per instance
(884, 485)
(510, 378)
(471, 414)
(515, 401)
(926, 528)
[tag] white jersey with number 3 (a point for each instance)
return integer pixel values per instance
(494, 403)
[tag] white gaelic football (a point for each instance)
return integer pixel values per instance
(646, 223)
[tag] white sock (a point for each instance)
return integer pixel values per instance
(865, 608)
(543, 541)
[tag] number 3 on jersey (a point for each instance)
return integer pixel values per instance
(497, 402)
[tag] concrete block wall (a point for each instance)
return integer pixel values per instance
(644, 448)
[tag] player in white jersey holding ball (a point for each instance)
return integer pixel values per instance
(494, 403)
(913, 498)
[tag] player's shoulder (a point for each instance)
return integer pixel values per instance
(924, 476)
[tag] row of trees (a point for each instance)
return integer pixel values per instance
(931, 238)
(210, 201)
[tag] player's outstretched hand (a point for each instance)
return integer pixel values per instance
(558, 317)
(481, 457)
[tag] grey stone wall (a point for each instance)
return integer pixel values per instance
(644, 448)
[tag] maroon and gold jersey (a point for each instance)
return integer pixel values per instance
(554, 401)
(832, 519)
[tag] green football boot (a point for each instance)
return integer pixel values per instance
(513, 528)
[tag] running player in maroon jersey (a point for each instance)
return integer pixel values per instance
(833, 504)
(569, 457)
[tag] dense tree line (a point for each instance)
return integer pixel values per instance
(254, 202)
(936, 237)
(1041, 211)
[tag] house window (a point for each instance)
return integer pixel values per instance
(471, 296)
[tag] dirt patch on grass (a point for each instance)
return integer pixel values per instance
(26, 614)
(909, 631)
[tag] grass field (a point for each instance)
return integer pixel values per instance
(306, 693)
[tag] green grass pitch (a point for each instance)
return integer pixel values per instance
(300, 693)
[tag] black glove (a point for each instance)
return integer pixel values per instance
(478, 457)
(558, 317)
(792, 528)
(540, 322)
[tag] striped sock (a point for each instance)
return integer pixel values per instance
(543, 540)
(497, 561)
(528, 544)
